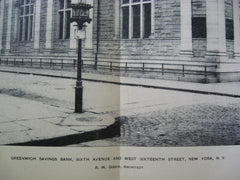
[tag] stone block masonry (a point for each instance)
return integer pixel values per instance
(105, 45)
(167, 33)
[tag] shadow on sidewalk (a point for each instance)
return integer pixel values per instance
(108, 132)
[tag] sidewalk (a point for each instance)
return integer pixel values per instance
(231, 89)
(47, 125)
(56, 126)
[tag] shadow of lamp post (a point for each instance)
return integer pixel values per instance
(80, 15)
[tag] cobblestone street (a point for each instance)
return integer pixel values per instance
(190, 125)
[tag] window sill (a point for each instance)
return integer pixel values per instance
(26, 41)
(137, 39)
(62, 39)
(199, 38)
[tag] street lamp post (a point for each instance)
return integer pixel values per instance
(80, 15)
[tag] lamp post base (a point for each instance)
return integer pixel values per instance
(78, 97)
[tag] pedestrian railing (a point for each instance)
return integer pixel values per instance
(161, 68)
(127, 67)
(39, 62)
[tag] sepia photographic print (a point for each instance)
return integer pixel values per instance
(120, 73)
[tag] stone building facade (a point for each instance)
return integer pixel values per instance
(176, 32)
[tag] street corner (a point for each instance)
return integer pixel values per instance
(100, 125)
(79, 128)
(88, 121)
